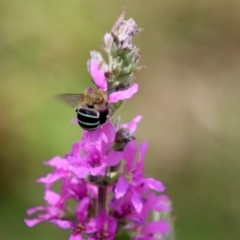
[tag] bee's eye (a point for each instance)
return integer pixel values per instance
(90, 106)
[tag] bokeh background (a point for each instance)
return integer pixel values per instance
(189, 97)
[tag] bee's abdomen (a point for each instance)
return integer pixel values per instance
(88, 119)
(103, 116)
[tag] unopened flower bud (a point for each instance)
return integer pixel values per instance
(123, 137)
(107, 42)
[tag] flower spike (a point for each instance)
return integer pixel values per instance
(103, 172)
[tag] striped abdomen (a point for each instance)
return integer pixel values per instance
(90, 119)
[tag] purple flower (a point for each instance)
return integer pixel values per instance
(122, 207)
(133, 179)
(105, 227)
(137, 222)
(81, 225)
(92, 157)
(91, 163)
(54, 210)
(62, 170)
(56, 204)
(152, 203)
(93, 154)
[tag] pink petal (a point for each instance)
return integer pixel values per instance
(75, 236)
(98, 75)
(132, 126)
(121, 187)
(136, 202)
(163, 204)
(62, 223)
(112, 225)
(32, 222)
(161, 227)
(92, 136)
(154, 184)
(140, 163)
(123, 95)
(58, 162)
(130, 152)
(97, 170)
(91, 226)
(51, 197)
(158, 203)
(50, 178)
(113, 158)
(82, 209)
(109, 130)
(76, 147)
(142, 149)
(35, 209)
(81, 172)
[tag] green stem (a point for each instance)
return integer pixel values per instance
(114, 107)
(102, 198)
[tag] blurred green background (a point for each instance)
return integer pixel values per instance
(189, 97)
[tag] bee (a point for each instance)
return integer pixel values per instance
(91, 107)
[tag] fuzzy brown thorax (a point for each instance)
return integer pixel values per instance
(96, 98)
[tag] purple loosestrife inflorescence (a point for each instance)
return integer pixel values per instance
(104, 172)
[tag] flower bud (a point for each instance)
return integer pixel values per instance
(97, 57)
(123, 137)
(107, 42)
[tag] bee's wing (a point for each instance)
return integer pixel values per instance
(73, 100)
